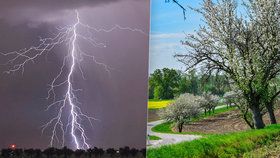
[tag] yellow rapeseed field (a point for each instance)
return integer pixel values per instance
(158, 104)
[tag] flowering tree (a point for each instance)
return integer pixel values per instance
(235, 97)
(247, 50)
(208, 102)
(185, 107)
(229, 98)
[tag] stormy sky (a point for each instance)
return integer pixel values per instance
(117, 99)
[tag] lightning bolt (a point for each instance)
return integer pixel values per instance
(75, 55)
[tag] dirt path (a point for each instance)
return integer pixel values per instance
(167, 138)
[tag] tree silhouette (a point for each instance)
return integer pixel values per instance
(6, 153)
(90, 152)
(79, 152)
(134, 151)
(101, 151)
(29, 152)
(37, 153)
(124, 151)
(143, 151)
(18, 152)
(66, 152)
(111, 151)
(49, 152)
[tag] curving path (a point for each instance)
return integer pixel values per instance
(167, 138)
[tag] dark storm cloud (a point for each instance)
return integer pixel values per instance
(118, 100)
(39, 11)
(52, 5)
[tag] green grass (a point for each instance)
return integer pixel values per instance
(158, 104)
(270, 150)
(167, 126)
(154, 137)
(220, 146)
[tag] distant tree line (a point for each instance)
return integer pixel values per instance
(169, 83)
(68, 153)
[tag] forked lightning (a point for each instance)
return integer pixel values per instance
(69, 35)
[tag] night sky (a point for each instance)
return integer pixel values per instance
(117, 99)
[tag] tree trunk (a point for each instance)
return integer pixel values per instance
(180, 127)
(249, 123)
(271, 114)
(257, 117)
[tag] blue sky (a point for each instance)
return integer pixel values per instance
(167, 30)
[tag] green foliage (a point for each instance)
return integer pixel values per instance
(159, 93)
(193, 87)
(163, 83)
(169, 83)
(183, 85)
(220, 146)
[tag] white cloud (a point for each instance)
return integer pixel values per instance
(168, 36)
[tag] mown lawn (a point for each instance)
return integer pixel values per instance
(158, 104)
(167, 126)
(220, 146)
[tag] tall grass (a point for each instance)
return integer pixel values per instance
(220, 146)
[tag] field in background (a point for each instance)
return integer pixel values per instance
(158, 104)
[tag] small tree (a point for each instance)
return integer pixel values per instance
(181, 110)
(229, 98)
(208, 102)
